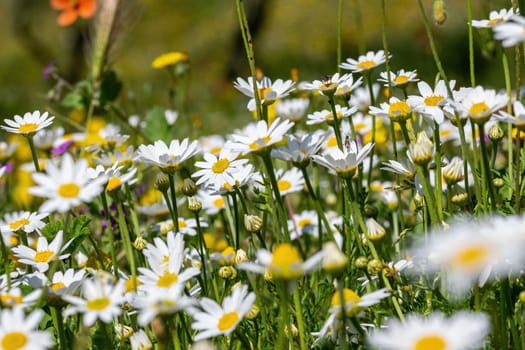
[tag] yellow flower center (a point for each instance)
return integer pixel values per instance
(8, 299)
(260, 143)
(219, 202)
(57, 286)
(332, 142)
(216, 150)
(495, 20)
(304, 222)
(471, 257)
(44, 256)
(182, 223)
(366, 64)
(228, 320)
(15, 225)
(27, 128)
(331, 116)
(129, 284)
(401, 79)
(264, 91)
(328, 85)
(167, 280)
(433, 101)
(349, 297)
(113, 184)
(400, 108)
(69, 190)
(284, 185)
(220, 165)
(478, 108)
(286, 262)
(430, 342)
(14, 341)
(97, 304)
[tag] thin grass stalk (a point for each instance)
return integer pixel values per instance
(126, 239)
(437, 174)
(485, 168)
(471, 44)
(300, 321)
(505, 62)
(175, 210)
(339, 34)
(34, 154)
(58, 324)
(109, 232)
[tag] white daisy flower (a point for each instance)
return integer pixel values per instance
(7, 149)
(299, 149)
(216, 170)
(268, 92)
(284, 262)
(23, 220)
(140, 341)
(328, 116)
(44, 254)
(462, 330)
(212, 144)
(344, 162)
(304, 223)
(292, 109)
(14, 298)
(259, 136)
(400, 78)
(45, 139)
(353, 303)
(161, 301)
(364, 63)
(242, 176)
(101, 300)
(171, 116)
(511, 32)
(66, 186)
(518, 115)
(114, 178)
(222, 319)
(111, 135)
(29, 124)
(66, 283)
(430, 102)
(122, 158)
(328, 85)
(168, 158)
(395, 110)
(211, 203)
(347, 86)
(186, 226)
(289, 181)
(406, 168)
(162, 253)
(495, 18)
(478, 104)
(361, 97)
(18, 331)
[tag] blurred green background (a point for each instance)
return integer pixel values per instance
(291, 34)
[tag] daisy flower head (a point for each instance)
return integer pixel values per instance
(211, 203)
(495, 18)
(469, 252)
(100, 300)
(18, 331)
(289, 181)
(517, 118)
(399, 79)
(66, 283)
(216, 169)
(511, 32)
(361, 97)
(167, 157)
(478, 104)
(429, 102)
(260, 136)
(347, 86)
(268, 92)
(29, 124)
(344, 162)
(243, 175)
(462, 330)
(328, 116)
(292, 109)
(284, 263)
(23, 220)
(222, 319)
(14, 298)
(365, 63)
(395, 109)
(327, 85)
(299, 149)
(353, 303)
(46, 139)
(304, 223)
(44, 253)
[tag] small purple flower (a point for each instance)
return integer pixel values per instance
(60, 149)
(48, 70)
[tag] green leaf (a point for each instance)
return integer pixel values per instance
(157, 128)
(110, 87)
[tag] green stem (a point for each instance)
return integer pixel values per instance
(284, 317)
(236, 220)
(126, 239)
(485, 168)
(203, 254)
(340, 289)
(175, 210)
(109, 232)
(300, 321)
(471, 44)
(339, 34)
(517, 175)
(34, 154)
(337, 129)
(58, 323)
(437, 174)
(385, 47)
(505, 62)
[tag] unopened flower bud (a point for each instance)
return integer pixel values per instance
(140, 340)
(252, 223)
(331, 199)
(361, 262)
(422, 150)
(495, 133)
(140, 243)
(162, 183)
(123, 332)
(498, 182)
(240, 256)
(459, 198)
(334, 260)
(440, 12)
(268, 277)
(194, 204)
(374, 230)
(188, 187)
(453, 172)
(291, 332)
(227, 272)
(374, 267)
(522, 297)
(253, 313)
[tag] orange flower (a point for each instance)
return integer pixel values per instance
(71, 9)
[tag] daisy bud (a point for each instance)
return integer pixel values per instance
(522, 297)
(81, 259)
(422, 150)
(188, 187)
(291, 331)
(252, 223)
(495, 133)
(440, 12)
(228, 272)
(459, 198)
(498, 182)
(374, 230)
(240, 256)
(268, 277)
(140, 341)
(140, 243)
(331, 199)
(361, 262)
(334, 260)
(253, 313)
(453, 172)
(123, 332)
(374, 267)
(194, 204)
(162, 183)
(202, 345)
